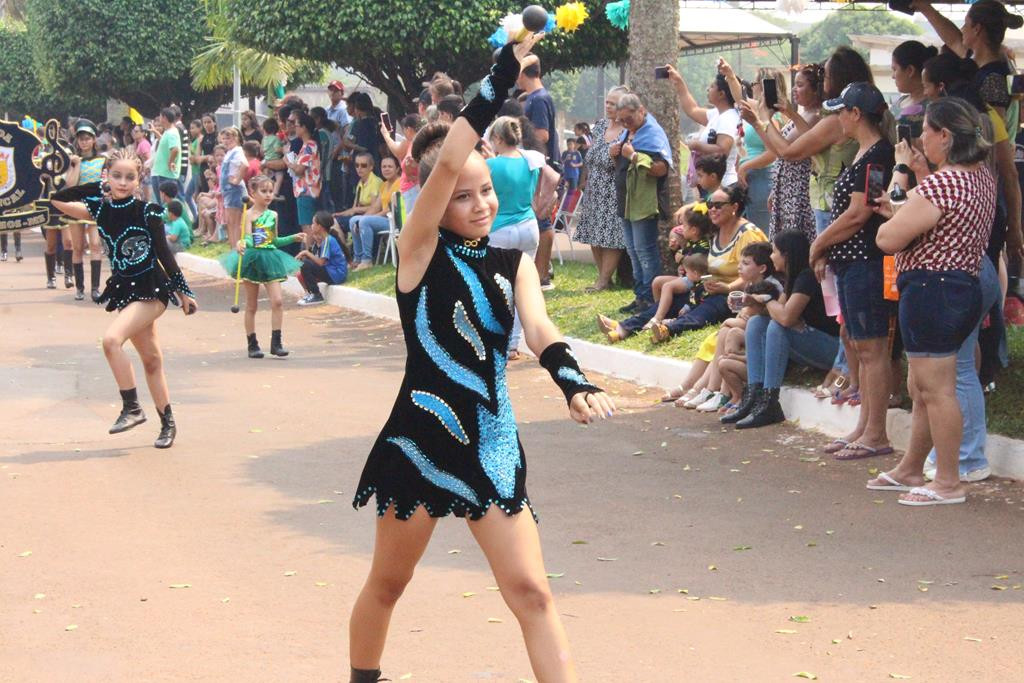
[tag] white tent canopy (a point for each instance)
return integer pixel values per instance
(712, 27)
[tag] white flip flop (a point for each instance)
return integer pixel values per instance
(893, 485)
(933, 498)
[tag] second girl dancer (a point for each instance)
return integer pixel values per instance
(145, 278)
(451, 445)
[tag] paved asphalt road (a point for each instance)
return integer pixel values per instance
(679, 551)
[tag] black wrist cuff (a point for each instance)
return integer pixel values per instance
(558, 360)
(178, 284)
(482, 109)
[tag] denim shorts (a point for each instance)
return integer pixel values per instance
(938, 310)
(866, 312)
(233, 195)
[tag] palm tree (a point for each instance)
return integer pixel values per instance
(215, 65)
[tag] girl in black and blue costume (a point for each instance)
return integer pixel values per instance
(451, 445)
(145, 278)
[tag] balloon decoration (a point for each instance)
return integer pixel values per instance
(570, 16)
(618, 14)
(535, 18)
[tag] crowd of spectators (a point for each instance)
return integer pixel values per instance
(833, 230)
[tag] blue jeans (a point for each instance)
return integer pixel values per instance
(714, 309)
(641, 238)
(190, 191)
(822, 219)
(364, 229)
(968, 387)
(770, 347)
(156, 181)
(759, 186)
(635, 322)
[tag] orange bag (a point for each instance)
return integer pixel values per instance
(889, 289)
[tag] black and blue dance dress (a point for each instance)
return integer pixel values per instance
(451, 443)
(142, 264)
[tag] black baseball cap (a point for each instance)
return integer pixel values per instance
(862, 95)
(85, 126)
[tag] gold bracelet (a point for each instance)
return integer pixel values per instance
(763, 125)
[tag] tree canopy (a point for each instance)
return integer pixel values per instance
(396, 45)
(21, 92)
(818, 41)
(138, 51)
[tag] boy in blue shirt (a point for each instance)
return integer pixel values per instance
(322, 261)
(572, 162)
(178, 231)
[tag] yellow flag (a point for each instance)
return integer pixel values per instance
(135, 116)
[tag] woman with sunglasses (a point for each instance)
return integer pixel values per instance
(725, 206)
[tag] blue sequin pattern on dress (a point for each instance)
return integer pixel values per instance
(506, 290)
(499, 439)
(458, 373)
(466, 330)
(571, 375)
(451, 445)
(476, 290)
(431, 472)
(436, 406)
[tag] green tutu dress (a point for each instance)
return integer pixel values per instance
(262, 260)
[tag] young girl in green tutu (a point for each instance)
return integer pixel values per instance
(263, 263)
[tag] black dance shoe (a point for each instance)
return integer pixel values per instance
(254, 346)
(168, 429)
(131, 416)
(366, 676)
(275, 344)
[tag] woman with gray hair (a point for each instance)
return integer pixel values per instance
(642, 158)
(938, 232)
(599, 225)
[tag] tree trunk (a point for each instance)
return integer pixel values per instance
(653, 41)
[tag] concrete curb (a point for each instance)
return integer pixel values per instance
(1005, 455)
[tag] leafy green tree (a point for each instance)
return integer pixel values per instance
(213, 66)
(138, 51)
(396, 45)
(818, 41)
(21, 92)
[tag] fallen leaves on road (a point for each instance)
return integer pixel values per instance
(805, 674)
(785, 631)
(290, 572)
(25, 554)
(494, 620)
(800, 619)
(180, 585)
(71, 627)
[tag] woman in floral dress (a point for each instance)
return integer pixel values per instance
(599, 222)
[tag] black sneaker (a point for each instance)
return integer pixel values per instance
(632, 307)
(545, 285)
(79, 294)
(17, 256)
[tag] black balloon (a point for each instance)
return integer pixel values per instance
(535, 18)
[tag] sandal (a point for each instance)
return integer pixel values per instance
(660, 333)
(930, 496)
(592, 289)
(674, 395)
(890, 485)
(859, 451)
(686, 398)
(835, 446)
(854, 400)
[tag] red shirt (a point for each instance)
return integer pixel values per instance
(967, 200)
(251, 170)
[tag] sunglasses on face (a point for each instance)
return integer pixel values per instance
(362, 166)
(718, 205)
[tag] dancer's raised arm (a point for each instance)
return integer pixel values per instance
(420, 234)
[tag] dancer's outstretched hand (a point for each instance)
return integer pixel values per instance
(523, 48)
(587, 406)
(188, 304)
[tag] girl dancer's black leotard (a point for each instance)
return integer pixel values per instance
(451, 443)
(142, 265)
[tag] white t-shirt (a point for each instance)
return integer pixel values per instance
(725, 123)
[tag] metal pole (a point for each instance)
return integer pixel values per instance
(794, 59)
(236, 113)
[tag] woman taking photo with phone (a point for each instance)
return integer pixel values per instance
(847, 244)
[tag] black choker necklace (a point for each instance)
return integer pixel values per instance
(473, 248)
